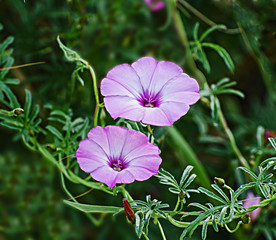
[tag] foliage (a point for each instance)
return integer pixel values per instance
(51, 107)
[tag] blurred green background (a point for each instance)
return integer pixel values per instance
(107, 33)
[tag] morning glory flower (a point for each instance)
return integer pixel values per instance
(115, 154)
(155, 5)
(154, 92)
(252, 200)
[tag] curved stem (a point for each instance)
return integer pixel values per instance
(146, 237)
(235, 229)
(190, 64)
(161, 230)
(95, 88)
(232, 139)
(206, 19)
(177, 204)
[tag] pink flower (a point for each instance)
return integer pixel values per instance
(115, 154)
(252, 200)
(154, 92)
(155, 5)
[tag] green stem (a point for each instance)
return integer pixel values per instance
(177, 204)
(150, 130)
(125, 193)
(180, 28)
(93, 220)
(95, 88)
(229, 188)
(161, 230)
(235, 229)
(146, 237)
(232, 139)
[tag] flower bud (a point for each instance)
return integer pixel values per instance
(182, 195)
(219, 182)
(129, 212)
(245, 219)
(16, 112)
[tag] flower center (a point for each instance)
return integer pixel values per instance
(117, 165)
(149, 100)
(149, 103)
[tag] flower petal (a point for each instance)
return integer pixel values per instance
(90, 164)
(127, 77)
(90, 149)
(143, 150)
(145, 68)
(110, 87)
(174, 110)
(98, 135)
(106, 175)
(124, 107)
(180, 83)
(181, 97)
(164, 71)
(116, 139)
(125, 176)
(134, 140)
(149, 162)
(156, 117)
(141, 173)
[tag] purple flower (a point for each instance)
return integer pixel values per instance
(115, 154)
(155, 5)
(154, 92)
(252, 200)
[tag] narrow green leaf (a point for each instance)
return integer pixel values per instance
(229, 91)
(211, 29)
(221, 82)
(211, 194)
(59, 113)
(28, 103)
(92, 208)
(11, 126)
(193, 225)
(243, 188)
(34, 113)
(273, 143)
(204, 228)
(220, 191)
(249, 172)
(227, 85)
(139, 224)
(185, 174)
(12, 81)
(6, 43)
(203, 58)
(79, 132)
(8, 64)
(199, 206)
(54, 131)
(195, 31)
(13, 102)
(223, 53)
(214, 223)
(222, 214)
(147, 220)
(189, 181)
